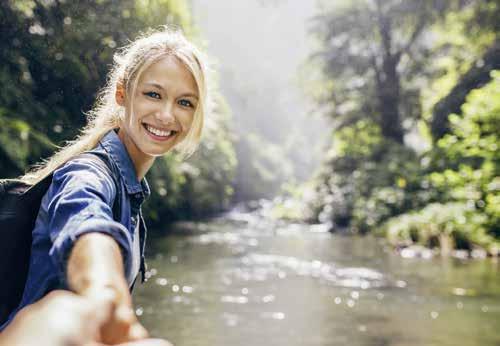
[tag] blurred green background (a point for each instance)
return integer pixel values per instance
(407, 93)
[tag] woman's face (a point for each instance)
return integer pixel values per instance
(160, 113)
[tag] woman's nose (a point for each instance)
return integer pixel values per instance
(166, 114)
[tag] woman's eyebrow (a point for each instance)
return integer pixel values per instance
(190, 95)
(156, 85)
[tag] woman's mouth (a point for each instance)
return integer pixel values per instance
(159, 134)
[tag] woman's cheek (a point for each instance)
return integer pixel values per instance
(188, 120)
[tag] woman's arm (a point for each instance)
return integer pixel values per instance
(89, 248)
(95, 266)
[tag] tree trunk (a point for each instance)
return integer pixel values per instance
(388, 99)
(387, 81)
(475, 77)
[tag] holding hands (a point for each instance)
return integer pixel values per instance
(63, 318)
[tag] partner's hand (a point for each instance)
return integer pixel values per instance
(122, 324)
(61, 318)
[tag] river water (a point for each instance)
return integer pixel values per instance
(243, 279)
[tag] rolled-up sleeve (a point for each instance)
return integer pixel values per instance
(80, 201)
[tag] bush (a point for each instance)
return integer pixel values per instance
(471, 152)
(368, 179)
(458, 221)
(469, 184)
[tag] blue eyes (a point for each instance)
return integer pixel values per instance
(183, 102)
(153, 94)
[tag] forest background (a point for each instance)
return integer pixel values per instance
(410, 88)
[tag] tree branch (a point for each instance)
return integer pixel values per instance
(475, 77)
(384, 27)
(378, 77)
(415, 34)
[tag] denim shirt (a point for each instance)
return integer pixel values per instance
(80, 200)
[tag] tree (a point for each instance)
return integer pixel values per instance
(484, 21)
(370, 52)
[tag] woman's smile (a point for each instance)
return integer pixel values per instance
(158, 134)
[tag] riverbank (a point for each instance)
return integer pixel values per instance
(452, 229)
(437, 230)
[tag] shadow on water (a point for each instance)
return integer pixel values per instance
(243, 279)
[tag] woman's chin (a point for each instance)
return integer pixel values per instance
(156, 149)
(156, 152)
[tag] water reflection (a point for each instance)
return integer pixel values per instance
(260, 267)
(245, 280)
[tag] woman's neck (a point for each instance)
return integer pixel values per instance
(142, 162)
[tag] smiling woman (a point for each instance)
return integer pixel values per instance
(89, 234)
(159, 112)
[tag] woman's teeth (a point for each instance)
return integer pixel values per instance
(158, 132)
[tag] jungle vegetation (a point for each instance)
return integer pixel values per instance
(55, 56)
(412, 89)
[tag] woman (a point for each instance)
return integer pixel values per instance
(89, 234)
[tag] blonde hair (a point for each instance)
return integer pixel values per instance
(129, 64)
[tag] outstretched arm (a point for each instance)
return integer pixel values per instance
(95, 266)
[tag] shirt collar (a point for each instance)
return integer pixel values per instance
(119, 154)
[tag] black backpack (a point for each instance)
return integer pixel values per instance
(19, 205)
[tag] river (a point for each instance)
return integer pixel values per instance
(243, 279)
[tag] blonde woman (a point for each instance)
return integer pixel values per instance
(89, 235)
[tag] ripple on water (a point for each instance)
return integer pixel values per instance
(234, 299)
(262, 267)
(231, 320)
(226, 238)
(278, 315)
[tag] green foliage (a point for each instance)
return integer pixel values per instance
(367, 179)
(461, 39)
(459, 221)
(20, 144)
(472, 154)
(468, 187)
(450, 191)
(357, 141)
(373, 56)
(295, 205)
(55, 56)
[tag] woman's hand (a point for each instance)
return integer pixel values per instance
(95, 267)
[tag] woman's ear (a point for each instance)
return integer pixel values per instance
(120, 94)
